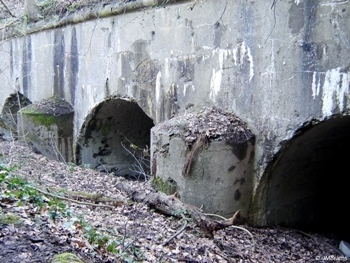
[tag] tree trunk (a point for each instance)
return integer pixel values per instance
(32, 10)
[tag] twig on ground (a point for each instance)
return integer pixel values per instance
(178, 232)
(237, 227)
(250, 234)
(71, 200)
(215, 215)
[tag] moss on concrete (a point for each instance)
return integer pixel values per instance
(54, 110)
(43, 119)
(169, 186)
(66, 258)
(106, 128)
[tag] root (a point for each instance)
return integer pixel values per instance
(187, 166)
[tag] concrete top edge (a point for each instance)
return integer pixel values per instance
(17, 27)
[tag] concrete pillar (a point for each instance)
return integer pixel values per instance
(47, 125)
(206, 157)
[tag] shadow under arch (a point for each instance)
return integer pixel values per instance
(306, 185)
(113, 134)
(14, 102)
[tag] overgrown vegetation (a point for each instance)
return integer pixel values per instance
(17, 190)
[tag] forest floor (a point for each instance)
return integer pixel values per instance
(67, 208)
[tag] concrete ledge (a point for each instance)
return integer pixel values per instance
(83, 15)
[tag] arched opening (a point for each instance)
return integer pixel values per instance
(115, 137)
(306, 186)
(12, 105)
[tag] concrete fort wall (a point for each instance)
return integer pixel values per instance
(280, 66)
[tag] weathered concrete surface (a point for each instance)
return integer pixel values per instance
(219, 182)
(48, 127)
(208, 156)
(278, 69)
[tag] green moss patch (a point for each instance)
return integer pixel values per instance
(66, 258)
(47, 112)
(7, 219)
(169, 186)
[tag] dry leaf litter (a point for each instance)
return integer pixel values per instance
(211, 122)
(138, 230)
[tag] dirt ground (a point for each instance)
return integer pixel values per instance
(135, 232)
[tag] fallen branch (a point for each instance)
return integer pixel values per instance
(159, 199)
(178, 232)
(97, 198)
(238, 227)
(71, 200)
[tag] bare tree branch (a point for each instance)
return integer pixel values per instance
(8, 10)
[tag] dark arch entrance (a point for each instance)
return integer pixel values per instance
(12, 105)
(306, 186)
(113, 136)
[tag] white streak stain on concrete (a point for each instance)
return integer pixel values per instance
(235, 56)
(90, 94)
(158, 85)
(298, 2)
(167, 68)
(240, 53)
(186, 86)
(223, 53)
(335, 87)
(215, 83)
(185, 89)
(316, 85)
(251, 63)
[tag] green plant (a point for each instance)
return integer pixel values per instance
(111, 248)
(10, 219)
(3, 174)
(71, 166)
(44, 3)
(179, 213)
(73, 7)
(19, 189)
(96, 238)
(137, 253)
(46, 6)
(25, 19)
(24, 192)
(57, 208)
